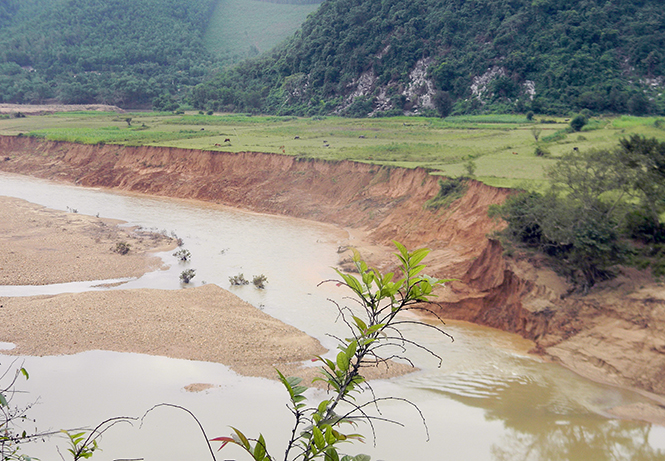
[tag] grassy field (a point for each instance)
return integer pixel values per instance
(240, 28)
(501, 148)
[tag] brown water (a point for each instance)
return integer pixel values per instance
(488, 401)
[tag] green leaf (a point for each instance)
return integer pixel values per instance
(360, 324)
(242, 440)
(322, 406)
(374, 328)
(299, 390)
(260, 449)
(415, 270)
(353, 283)
(293, 380)
(3, 400)
(319, 440)
(330, 435)
(418, 256)
(402, 250)
(24, 372)
(342, 361)
(331, 454)
(362, 458)
(351, 350)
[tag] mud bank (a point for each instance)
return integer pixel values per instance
(381, 204)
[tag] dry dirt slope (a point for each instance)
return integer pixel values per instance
(384, 204)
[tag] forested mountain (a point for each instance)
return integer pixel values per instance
(358, 57)
(123, 52)
(351, 57)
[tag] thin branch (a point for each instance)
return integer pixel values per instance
(212, 453)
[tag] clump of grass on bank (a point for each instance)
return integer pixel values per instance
(450, 189)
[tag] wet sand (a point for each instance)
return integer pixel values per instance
(208, 323)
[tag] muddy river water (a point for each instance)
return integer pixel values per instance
(488, 400)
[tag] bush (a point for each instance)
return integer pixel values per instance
(260, 281)
(183, 255)
(578, 122)
(450, 189)
(470, 167)
(187, 275)
(238, 280)
(122, 248)
(582, 242)
(642, 226)
(541, 152)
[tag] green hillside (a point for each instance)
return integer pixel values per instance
(241, 29)
(131, 53)
(122, 52)
(356, 57)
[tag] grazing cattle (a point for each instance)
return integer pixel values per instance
(218, 145)
(297, 137)
(514, 153)
(361, 137)
(227, 140)
(576, 149)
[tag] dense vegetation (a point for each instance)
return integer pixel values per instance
(548, 56)
(119, 52)
(604, 208)
(351, 57)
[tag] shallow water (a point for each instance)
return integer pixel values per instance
(487, 401)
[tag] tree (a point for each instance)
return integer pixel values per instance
(578, 122)
(443, 103)
(374, 326)
(596, 200)
(642, 160)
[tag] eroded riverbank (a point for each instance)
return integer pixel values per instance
(383, 204)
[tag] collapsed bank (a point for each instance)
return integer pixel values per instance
(615, 335)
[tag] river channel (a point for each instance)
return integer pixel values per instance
(489, 400)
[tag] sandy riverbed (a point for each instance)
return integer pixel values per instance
(42, 246)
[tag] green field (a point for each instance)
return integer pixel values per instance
(239, 29)
(502, 148)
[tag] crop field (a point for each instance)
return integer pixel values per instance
(498, 150)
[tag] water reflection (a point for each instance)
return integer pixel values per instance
(602, 440)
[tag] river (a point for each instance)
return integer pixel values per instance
(489, 400)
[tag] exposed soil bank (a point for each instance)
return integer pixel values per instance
(613, 335)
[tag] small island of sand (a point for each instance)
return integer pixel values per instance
(43, 246)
